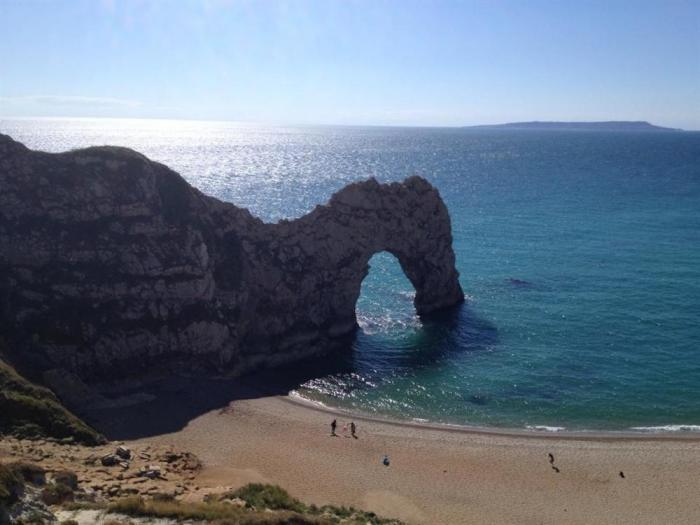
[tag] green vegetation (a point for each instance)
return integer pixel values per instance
(67, 478)
(31, 411)
(83, 505)
(61, 489)
(262, 496)
(264, 505)
(55, 493)
(29, 472)
(15, 476)
(217, 512)
(11, 486)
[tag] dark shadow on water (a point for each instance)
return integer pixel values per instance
(176, 400)
(442, 336)
(461, 329)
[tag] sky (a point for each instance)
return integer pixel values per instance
(355, 62)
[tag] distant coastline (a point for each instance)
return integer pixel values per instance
(611, 125)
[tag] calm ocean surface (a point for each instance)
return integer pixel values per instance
(579, 253)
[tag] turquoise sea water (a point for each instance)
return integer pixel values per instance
(579, 253)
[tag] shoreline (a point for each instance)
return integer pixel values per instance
(126, 420)
(442, 475)
(580, 435)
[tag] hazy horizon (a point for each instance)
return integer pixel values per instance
(417, 64)
(312, 124)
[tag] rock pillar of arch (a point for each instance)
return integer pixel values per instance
(330, 249)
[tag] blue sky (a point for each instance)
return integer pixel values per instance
(398, 62)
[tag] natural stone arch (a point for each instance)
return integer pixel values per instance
(111, 263)
(334, 243)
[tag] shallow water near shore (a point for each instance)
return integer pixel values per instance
(579, 253)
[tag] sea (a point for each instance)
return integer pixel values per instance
(579, 253)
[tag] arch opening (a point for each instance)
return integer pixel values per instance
(386, 299)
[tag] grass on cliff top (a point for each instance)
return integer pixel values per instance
(11, 485)
(264, 504)
(14, 476)
(30, 411)
(263, 496)
(218, 513)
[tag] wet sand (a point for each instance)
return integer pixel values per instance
(446, 476)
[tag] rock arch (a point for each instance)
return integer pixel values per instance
(323, 256)
(110, 263)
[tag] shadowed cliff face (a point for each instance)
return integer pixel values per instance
(111, 263)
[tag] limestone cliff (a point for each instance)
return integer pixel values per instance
(111, 262)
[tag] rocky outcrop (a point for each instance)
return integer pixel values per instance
(28, 410)
(111, 262)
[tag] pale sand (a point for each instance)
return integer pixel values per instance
(442, 476)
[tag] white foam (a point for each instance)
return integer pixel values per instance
(539, 428)
(668, 428)
(545, 428)
(297, 395)
(387, 323)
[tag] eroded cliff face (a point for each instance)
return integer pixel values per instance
(110, 262)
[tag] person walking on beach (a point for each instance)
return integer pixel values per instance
(353, 428)
(334, 424)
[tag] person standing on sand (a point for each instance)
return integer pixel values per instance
(334, 424)
(353, 428)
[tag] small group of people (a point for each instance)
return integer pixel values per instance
(353, 433)
(353, 428)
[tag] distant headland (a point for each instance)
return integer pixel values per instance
(612, 125)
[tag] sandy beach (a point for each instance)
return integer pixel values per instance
(442, 476)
